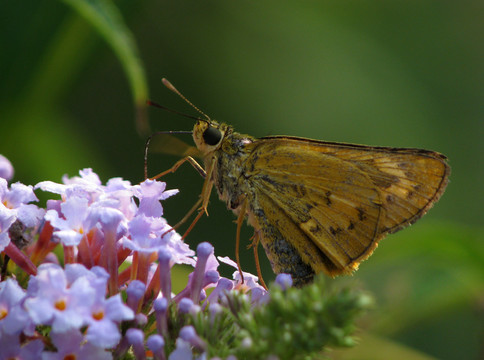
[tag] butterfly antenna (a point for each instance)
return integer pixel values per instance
(170, 86)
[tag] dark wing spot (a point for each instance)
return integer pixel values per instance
(334, 231)
(390, 198)
(361, 214)
(328, 200)
(351, 226)
(315, 229)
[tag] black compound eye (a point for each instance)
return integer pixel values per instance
(212, 136)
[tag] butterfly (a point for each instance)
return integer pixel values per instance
(315, 206)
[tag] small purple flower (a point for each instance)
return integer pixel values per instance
(16, 199)
(51, 302)
(180, 251)
(135, 338)
(146, 236)
(97, 276)
(223, 285)
(122, 191)
(110, 218)
(160, 306)
(188, 334)
(6, 168)
(10, 348)
(75, 222)
(135, 292)
(183, 351)
(13, 318)
(70, 345)
(164, 259)
(87, 186)
(284, 281)
(156, 344)
(149, 193)
(103, 321)
(185, 305)
(87, 176)
(200, 277)
(204, 250)
(7, 218)
(142, 230)
(250, 280)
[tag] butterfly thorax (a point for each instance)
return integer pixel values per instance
(224, 154)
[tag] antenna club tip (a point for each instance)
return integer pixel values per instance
(168, 84)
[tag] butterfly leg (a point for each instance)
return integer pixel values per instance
(200, 201)
(203, 200)
(240, 220)
(175, 167)
(255, 247)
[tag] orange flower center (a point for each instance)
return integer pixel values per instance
(60, 304)
(3, 313)
(99, 315)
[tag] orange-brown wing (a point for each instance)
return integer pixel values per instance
(343, 198)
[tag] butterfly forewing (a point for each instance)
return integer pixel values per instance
(341, 198)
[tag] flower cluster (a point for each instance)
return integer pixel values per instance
(89, 277)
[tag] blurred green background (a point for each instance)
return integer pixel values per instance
(74, 76)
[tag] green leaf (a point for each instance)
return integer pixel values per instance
(108, 21)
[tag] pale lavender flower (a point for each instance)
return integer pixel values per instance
(6, 168)
(188, 334)
(142, 230)
(160, 306)
(87, 186)
(117, 193)
(250, 280)
(122, 191)
(7, 218)
(71, 345)
(204, 250)
(10, 348)
(284, 281)
(135, 338)
(13, 318)
(75, 222)
(97, 276)
(150, 234)
(16, 199)
(164, 259)
(183, 351)
(200, 277)
(51, 302)
(156, 344)
(149, 193)
(110, 218)
(135, 292)
(186, 305)
(223, 285)
(103, 320)
(180, 251)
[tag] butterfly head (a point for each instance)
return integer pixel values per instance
(208, 135)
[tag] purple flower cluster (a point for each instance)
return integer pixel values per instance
(115, 245)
